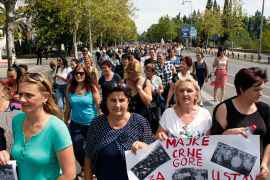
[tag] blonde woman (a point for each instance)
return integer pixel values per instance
(185, 118)
(90, 66)
(140, 88)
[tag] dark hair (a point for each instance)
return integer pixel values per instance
(116, 55)
(187, 60)
(24, 66)
(77, 61)
(106, 92)
(63, 58)
(84, 50)
(246, 77)
(220, 49)
(201, 54)
(125, 56)
(152, 49)
(15, 68)
(106, 63)
(89, 82)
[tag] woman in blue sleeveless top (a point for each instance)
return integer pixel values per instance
(83, 100)
(200, 68)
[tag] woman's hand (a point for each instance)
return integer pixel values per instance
(206, 79)
(264, 172)
(57, 75)
(236, 131)
(157, 91)
(161, 136)
(4, 157)
(139, 81)
(137, 145)
(167, 106)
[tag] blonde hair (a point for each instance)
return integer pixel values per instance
(5, 88)
(50, 106)
(133, 66)
(53, 63)
(192, 81)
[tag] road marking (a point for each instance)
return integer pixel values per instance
(208, 97)
(268, 97)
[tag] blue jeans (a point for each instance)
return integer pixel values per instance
(60, 96)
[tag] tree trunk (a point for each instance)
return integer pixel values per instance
(232, 43)
(74, 35)
(10, 15)
(207, 41)
(101, 34)
(60, 47)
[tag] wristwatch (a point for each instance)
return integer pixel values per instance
(139, 87)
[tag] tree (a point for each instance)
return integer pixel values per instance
(232, 15)
(209, 4)
(10, 19)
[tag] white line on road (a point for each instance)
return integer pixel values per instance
(268, 97)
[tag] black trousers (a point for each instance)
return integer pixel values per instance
(39, 59)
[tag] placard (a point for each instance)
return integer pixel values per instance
(6, 124)
(8, 171)
(205, 158)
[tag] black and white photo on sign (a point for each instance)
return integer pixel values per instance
(190, 174)
(8, 171)
(233, 159)
(156, 158)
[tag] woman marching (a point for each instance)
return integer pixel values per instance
(221, 62)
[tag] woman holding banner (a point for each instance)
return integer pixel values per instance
(113, 133)
(185, 118)
(42, 145)
(245, 109)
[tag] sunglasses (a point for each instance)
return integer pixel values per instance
(115, 85)
(59, 60)
(76, 73)
(134, 76)
(36, 77)
(84, 53)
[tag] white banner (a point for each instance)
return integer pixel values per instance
(6, 124)
(227, 157)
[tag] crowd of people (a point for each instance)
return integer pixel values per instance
(145, 93)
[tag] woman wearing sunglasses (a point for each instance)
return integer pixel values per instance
(83, 99)
(113, 133)
(42, 145)
(13, 74)
(61, 81)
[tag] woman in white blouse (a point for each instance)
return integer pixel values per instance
(60, 75)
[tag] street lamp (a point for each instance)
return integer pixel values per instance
(171, 27)
(260, 45)
(90, 38)
(183, 3)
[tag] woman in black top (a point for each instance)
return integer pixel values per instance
(185, 65)
(140, 89)
(234, 114)
(120, 69)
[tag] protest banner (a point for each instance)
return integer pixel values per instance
(230, 157)
(8, 171)
(6, 124)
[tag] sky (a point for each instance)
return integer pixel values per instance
(151, 10)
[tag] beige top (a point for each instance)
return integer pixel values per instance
(222, 64)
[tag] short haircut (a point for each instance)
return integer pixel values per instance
(106, 63)
(152, 49)
(151, 66)
(53, 63)
(106, 92)
(77, 61)
(85, 51)
(246, 77)
(133, 66)
(187, 60)
(24, 66)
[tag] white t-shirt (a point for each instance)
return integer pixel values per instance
(177, 51)
(65, 72)
(171, 123)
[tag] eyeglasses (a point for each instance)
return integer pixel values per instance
(134, 76)
(59, 60)
(36, 77)
(115, 85)
(76, 73)
(84, 53)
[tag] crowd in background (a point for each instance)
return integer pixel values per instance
(146, 92)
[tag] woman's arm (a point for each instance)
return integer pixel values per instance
(68, 106)
(96, 72)
(160, 87)
(193, 68)
(66, 161)
(87, 169)
(96, 97)
(4, 157)
(264, 171)
(170, 94)
(206, 67)
(64, 78)
(52, 80)
(227, 64)
(146, 94)
(215, 62)
(160, 134)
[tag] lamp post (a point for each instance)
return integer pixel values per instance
(183, 3)
(90, 38)
(260, 45)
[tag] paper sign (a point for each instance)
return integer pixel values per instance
(6, 124)
(8, 171)
(205, 158)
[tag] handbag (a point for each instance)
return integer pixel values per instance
(160, 101)
(212, 75)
